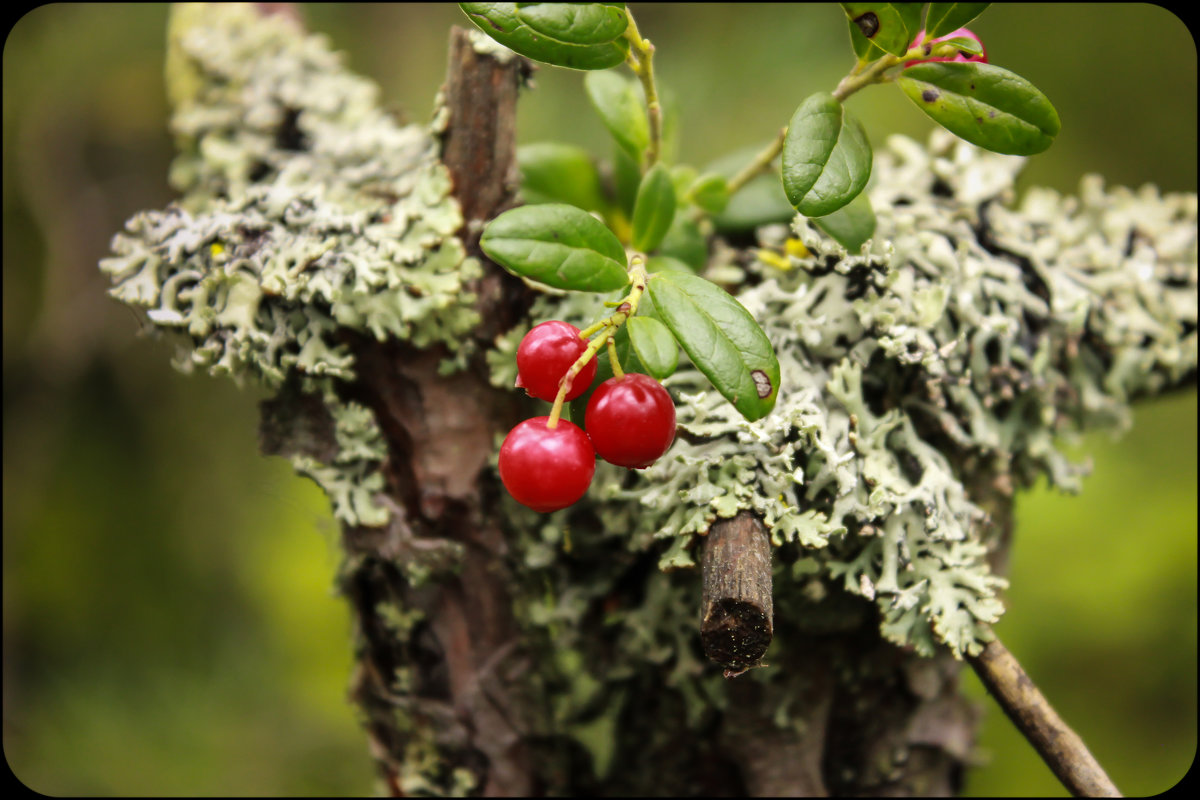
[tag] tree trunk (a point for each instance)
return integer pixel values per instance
(456, 693)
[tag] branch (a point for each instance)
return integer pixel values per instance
(737, 617)
(1059, 746)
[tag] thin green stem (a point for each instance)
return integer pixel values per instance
(761, 163)
(564, 385)
(641, 61)
(875, 73)
(618, 373)
(606, 328)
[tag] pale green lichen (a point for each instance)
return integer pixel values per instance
(352, 479)
(306, 210)
(965, 328)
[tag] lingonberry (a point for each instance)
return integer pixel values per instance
(630, 420)
(546, 468)
(546, 354)
(961, 33)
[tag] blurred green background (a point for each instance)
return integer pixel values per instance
(169, 623)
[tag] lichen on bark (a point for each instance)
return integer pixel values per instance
(924, 378)
(306, 211)
(966, 333)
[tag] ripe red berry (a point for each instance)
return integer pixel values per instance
(546, 354)
(630, 420)
(961, 33)
(546, 468)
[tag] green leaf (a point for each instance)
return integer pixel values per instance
(942, 18)
(984, 104)
(619, 103)
(683, 176)
(863, 49)
(711, 192)
(721, 338)
(558, 245)
(963, 44)
(851, 225)
(826, 157)
(655, 346)
(889, 26)
(654, 209)
(553, 172)
(508, 25)
(759, 202)
(660, 263)
(627, 176)
(685, 242)
(576, 23)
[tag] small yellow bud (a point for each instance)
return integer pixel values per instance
(795, 247)
(773, 259)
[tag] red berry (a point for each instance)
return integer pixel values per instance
(961, 33)
(546, 354)
(546, 468)
(631, 420)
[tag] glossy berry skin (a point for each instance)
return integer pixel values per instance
(547, 468)
(963, 33)
(545, 355)
(630, 420)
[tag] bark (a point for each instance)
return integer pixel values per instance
(443, 664)
(737, 621)
(466, 662)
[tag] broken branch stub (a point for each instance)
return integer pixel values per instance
(736, 614)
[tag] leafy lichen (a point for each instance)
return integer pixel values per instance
(966, 330)
(306, 209)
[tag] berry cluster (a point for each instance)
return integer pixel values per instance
(547, 463)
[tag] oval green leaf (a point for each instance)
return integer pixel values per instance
(721, 338)
(942, 18)
(619, 103)
(759, 202)
(654, 209)
(683, 176)
(576, 23)
(558, 245)
(962, 44)
(987, 105)
(685, 242)
(890, 26)
(711, 192)
(627, 176)
(553, 172)
(863, 49)
(850, 226)
(826, 157)
(660, 263)
(502, 22)
(655, 346)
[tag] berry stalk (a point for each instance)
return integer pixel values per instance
(606, 328)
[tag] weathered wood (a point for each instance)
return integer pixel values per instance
(1059, 746)
(737, 620)
(465, 663)
(479, 142)
(479, 149)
